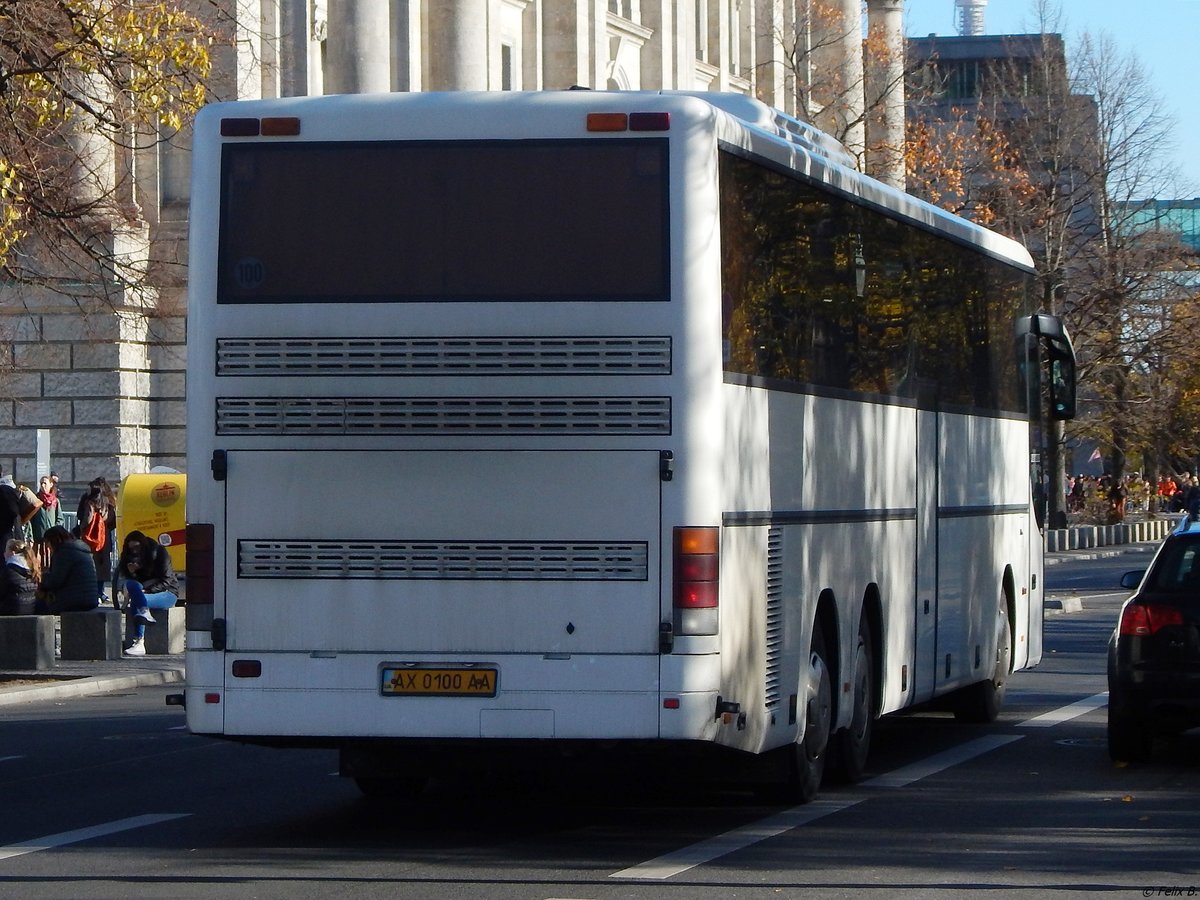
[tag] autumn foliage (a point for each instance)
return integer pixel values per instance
(80, 80)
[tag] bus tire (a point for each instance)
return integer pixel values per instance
(808, 753)
(981, 702)
(852, 745)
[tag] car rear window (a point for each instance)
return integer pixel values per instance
(1177, 568)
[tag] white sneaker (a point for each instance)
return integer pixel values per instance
(137, 648)
(144, 615)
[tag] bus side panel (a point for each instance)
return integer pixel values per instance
(797, 512)
(983, 526)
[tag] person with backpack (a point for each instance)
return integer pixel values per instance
(97, 519)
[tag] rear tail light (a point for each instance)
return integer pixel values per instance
(1144, 619)
(200, 564)
(697, 571)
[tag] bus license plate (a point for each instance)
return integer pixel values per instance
(430, 681)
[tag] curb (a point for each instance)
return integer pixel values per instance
(1060, 605)
(88, 687)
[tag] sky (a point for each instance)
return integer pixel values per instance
(1164, 35)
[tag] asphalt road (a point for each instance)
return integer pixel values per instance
(110, 797)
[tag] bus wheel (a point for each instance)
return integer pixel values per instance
(852, 745)
(981, 701)
(809, 752)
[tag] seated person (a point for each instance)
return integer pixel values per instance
(69, 582)
(150, 583)
(19, 579)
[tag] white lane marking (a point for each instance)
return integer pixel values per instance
(7, 758)
(707, 850)
(85, 834)
(681, 860)
(1065, 713)
(939, 762)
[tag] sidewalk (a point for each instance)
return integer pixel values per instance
(86, 678)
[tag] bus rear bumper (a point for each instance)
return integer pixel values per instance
(321, 700)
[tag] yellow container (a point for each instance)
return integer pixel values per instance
(156, 505)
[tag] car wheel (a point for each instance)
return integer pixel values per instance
(1130, 737)
(981, 702)
(808, 753)
(852, 745)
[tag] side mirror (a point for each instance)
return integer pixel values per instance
(1062, 385)
(1132, 579)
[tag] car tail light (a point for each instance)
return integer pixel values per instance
(1144, 619)
(697, 573)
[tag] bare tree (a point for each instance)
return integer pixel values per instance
(83, 85)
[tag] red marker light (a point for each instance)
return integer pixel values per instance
(650, 121)
(239, 128)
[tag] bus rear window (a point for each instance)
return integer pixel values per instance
(422, 220)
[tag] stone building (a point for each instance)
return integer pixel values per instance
(102, 381)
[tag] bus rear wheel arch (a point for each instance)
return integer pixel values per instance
(981, 701)
(807, 756)
(852, 744)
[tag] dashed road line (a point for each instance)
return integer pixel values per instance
(85, 834)
(1066, 713)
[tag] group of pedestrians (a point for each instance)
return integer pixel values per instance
(1111, 499)
(50, 570)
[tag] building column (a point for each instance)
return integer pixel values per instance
(458, 40)
(406, 46)
(839, 70)
(357, 53)
(566, 44)
(885, 92)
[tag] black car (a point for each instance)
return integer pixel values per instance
(1154, 653)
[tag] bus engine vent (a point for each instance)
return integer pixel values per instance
(444, 356)
(374, 416)
(462, 560)
(774, 615)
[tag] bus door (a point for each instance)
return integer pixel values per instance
(443, 551)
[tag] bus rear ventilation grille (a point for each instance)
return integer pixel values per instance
(376, 416)
(464, 560)
(444, 356)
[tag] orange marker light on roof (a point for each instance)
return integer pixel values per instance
(607, 122)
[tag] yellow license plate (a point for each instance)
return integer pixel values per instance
(439, 681)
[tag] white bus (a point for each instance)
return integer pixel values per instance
(526, 424)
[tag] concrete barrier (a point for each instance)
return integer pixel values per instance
(27, 642)
(95, 634)
(168, 632)
(1088, 537)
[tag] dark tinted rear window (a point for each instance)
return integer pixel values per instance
(473, 220)
(1178, 567)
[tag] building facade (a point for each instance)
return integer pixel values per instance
(97, 383)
